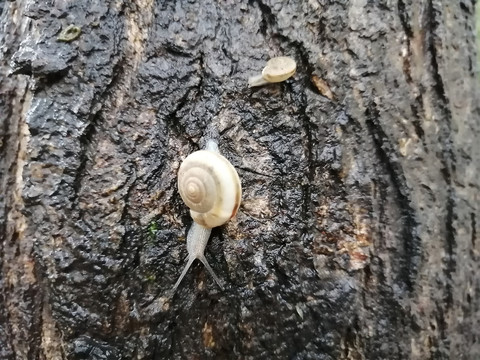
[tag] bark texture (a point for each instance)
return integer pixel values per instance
(357, 235)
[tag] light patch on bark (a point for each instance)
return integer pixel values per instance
(208, 339)
(19, 264)
(138, 25)
(52, 344)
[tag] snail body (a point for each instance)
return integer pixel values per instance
(210, 186)
(276, 70)
(197, 240)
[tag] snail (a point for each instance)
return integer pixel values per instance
(210, 186)
(278, 69)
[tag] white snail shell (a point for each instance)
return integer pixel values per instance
(277, 69)
(210, 186)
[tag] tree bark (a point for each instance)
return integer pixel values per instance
(357, 234)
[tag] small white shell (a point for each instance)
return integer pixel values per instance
(210, 186)
(277, 69)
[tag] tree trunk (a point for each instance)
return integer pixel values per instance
(357, 234)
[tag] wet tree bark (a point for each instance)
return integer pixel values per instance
(357, 235)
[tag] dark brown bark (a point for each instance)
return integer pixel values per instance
(357, 235)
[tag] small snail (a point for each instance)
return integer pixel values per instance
(278, 69)
(209, 185)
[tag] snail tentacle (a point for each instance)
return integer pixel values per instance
(204, 261)
(182, 275)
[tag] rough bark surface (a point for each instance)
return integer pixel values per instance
(357, 236)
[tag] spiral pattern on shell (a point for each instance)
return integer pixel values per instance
(210, 186)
